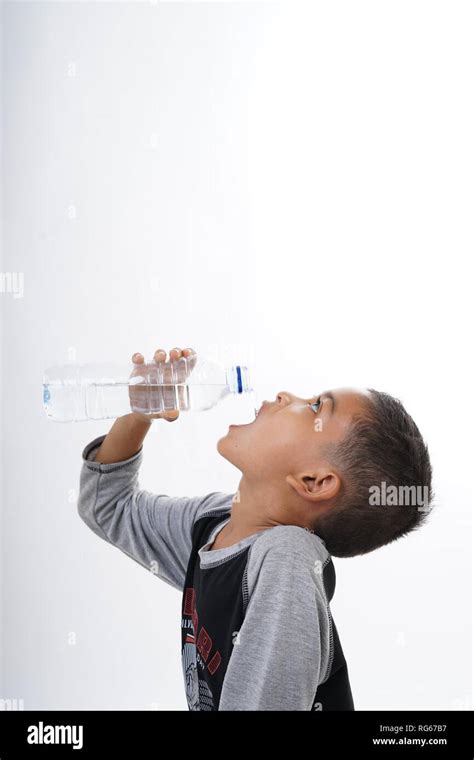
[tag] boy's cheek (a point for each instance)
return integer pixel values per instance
(276, 448)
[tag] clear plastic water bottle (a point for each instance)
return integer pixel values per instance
(77, 392)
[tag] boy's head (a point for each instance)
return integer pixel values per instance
(351, 464)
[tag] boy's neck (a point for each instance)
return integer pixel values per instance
(253, 510)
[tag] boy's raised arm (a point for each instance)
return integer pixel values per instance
(153, 529)
(124, 439)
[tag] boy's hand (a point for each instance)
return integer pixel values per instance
(128, 432)
(167, 397)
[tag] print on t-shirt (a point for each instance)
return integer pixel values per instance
(199, 656)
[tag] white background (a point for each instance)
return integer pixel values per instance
(284, 184)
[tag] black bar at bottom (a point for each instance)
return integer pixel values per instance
(133, 733)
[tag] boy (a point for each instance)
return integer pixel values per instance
(255, 568)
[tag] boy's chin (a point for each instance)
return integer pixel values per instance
(221, 445)
(226, 443)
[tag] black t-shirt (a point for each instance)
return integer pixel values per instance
(214, 605)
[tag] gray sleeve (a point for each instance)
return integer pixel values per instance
(153, 529)
(281, 652)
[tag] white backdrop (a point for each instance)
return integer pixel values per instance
(284, 184)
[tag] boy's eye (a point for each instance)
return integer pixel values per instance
(316, 405)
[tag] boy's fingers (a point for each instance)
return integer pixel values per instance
(159, 355)
(170, 416)
(175, 353)
(172, 374)
(191, 356)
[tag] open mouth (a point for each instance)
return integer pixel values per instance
(257, 412)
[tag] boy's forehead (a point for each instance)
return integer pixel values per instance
(351, 391)
(350, 399)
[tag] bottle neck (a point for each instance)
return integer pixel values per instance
(238, 379)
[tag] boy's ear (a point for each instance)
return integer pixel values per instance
(315, 487)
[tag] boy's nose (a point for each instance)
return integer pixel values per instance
(284, 397)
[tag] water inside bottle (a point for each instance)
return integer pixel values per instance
(69, 402)
(106, 391)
